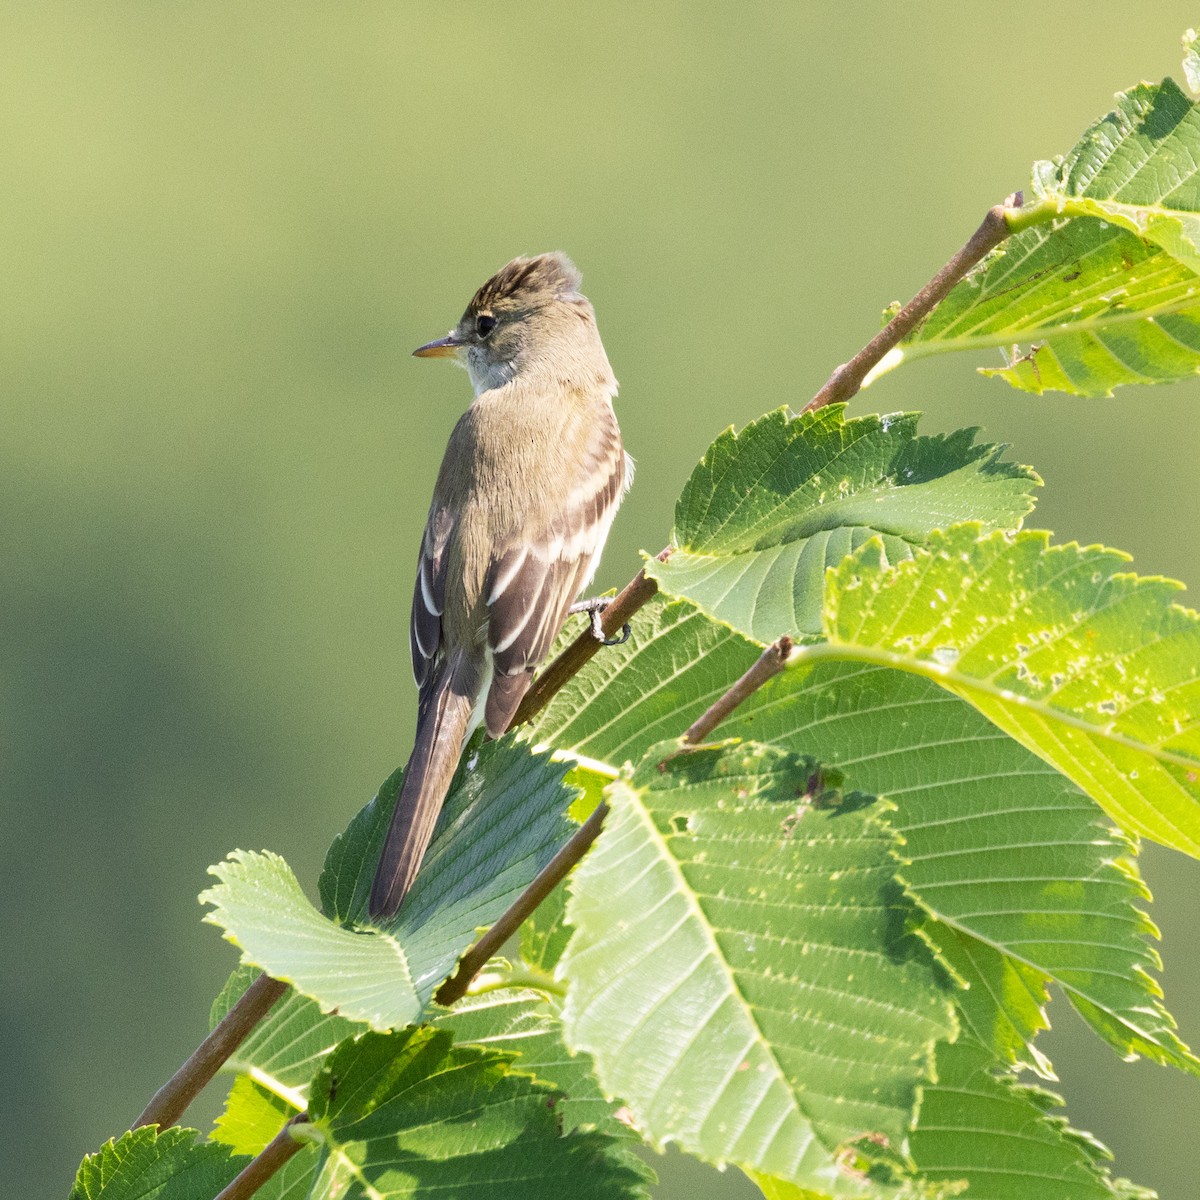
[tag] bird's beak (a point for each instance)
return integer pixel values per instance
(446, 347)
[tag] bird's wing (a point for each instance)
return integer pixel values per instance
(429, 598)
(531, 584)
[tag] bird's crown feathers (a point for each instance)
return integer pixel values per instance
(528, 283)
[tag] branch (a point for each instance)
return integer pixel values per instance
(280, 1148)
(769, 663)
(637, 592)
(772, 660)
(171, 1100)
(848, 378)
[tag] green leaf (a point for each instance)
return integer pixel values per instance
(769, 509)
(1107, 293)
(504, 820)
(252, 1116)
(675, 664)
(408, 1114)
(145, 1164)
(996, 844)
(263, 910)
(968, 795)
(1136, 167)
(767, 987)
(528, 1024)
(1004, 1002)
(273, 1066)
(1095, 670)
(1191, 60)
(1081, 306)
(998, 1137)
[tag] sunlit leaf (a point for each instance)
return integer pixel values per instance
(1101, 285)
(769, 508)
(1136, 167)
(144, 1163)
(1080, 306)
(1000, 1138)
(741, 971)
(408, 1114)
(1094, 669)
(502, 824)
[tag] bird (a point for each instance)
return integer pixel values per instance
(532, 477)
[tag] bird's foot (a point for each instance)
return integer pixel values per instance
(595, 608)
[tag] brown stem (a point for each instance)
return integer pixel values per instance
(171, 1100)
(280, 1148)
(770, 662)
(510, 921)
(637, 592)
(848, 378)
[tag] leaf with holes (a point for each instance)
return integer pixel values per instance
(1079, 306)
(1137, 168)
(969, 797)
(1092, 668)
(770, 508)
(1101, 285)
(768, 990)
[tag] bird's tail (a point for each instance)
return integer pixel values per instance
(441, 730)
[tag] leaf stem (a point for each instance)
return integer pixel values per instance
(277, 1152)
(523, 976)
(772, 660)
(1001, 221)
(510, 921)
(637, 592)
(170, 1102)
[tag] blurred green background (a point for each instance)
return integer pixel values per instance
(224, 228)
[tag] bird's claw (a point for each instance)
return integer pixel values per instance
(595, 610)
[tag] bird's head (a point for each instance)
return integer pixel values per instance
(528, 319)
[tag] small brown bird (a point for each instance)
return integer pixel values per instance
(524, 500)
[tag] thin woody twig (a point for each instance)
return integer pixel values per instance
(636, 593)
(772, 660)
(170, 1102)
(511, 920)
(848, 378)
(277, 1152)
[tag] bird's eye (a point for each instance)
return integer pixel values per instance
(484, 325)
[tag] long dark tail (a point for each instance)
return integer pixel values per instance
(440, 732)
